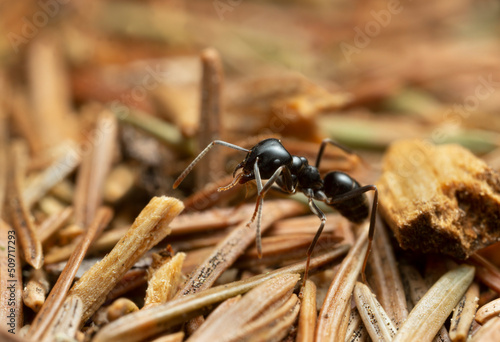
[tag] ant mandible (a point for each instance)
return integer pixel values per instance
(270, 160)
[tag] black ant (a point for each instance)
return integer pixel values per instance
(270, 160)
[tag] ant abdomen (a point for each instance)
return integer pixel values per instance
(355, 209)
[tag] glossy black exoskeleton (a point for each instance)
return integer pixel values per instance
(270, 160)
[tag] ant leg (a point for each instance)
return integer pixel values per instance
(334, 143)
(201, 155)
(373, 216)
(261, 191)
(318, 212)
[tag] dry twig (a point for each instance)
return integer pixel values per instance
(150, 227)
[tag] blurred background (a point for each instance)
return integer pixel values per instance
(362, 72)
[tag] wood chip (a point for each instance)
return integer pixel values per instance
(164, 281)
(150, 227)
(432, 310)
(335, 312)
(463, 314)
(376, 321)
(443, 193)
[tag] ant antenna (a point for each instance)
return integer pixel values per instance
(201, 155)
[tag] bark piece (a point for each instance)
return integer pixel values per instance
(439, 198)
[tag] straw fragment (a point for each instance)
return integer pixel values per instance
(463, 314)
(427, 317)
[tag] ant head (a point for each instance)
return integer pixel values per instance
(271, 156)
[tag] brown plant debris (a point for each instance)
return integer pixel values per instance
(150, 227)
(439, 199)
(432, 310)
(146, 323)
(230, 326)
(335, 312)
(463, 314)
(308, 313)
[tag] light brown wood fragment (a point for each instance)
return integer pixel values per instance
(145, 323)
(38, 186)
(212, 166)
(120, 308)
(439, 199)
(228, 250)
(94, 168)
(19, 215)
(251, 306)
(67, 322)
(489, 332)
(432, 310)
(375, 319)
(150, 227)
(11, 281)
(57, 295)
(488, 311)
(36, 289)
(385, 278)
(164, 281)
(308, 313)
(53, 223)
(335, 312)
(463, 314)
